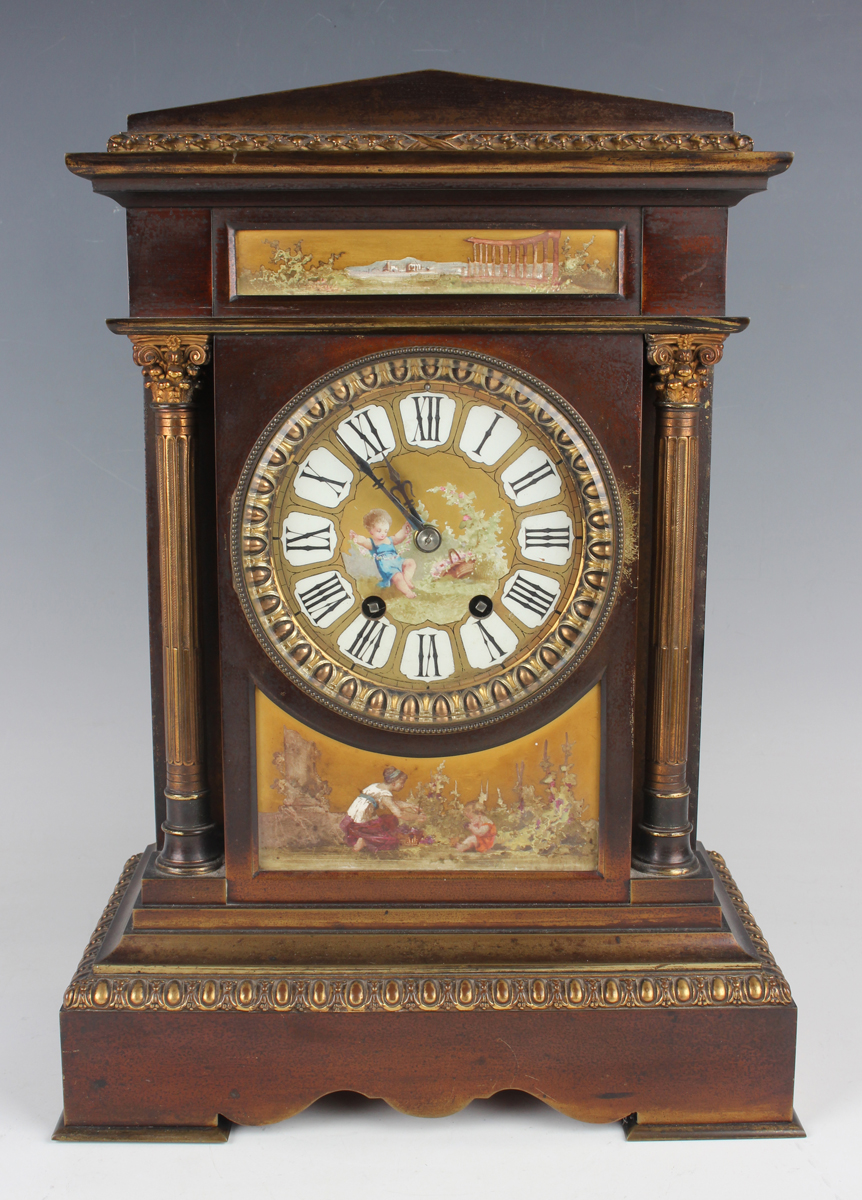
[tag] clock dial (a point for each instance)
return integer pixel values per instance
(426, 539)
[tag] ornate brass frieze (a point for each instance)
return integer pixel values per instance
(340, 991)
(515, 141)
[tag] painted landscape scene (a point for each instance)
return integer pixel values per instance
(530, 805)
(286, 262)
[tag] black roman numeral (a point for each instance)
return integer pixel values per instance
(495, 650)
(336, 484)
(488, 433)
(429, 666)
(369, 435)
(367, 642)
(311, 540)
(531, 596)
(427, 418)
(531, 478)
(324, 597)
(556, 536)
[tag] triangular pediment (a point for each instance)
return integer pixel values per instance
(428, 101)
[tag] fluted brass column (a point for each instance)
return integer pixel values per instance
(683, 365)
(170, 366)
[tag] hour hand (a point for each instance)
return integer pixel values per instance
(426, 538)
(404, 488)
(413, 517)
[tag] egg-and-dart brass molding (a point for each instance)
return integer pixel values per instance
(521, 141)
(335, 990)
(407, 324)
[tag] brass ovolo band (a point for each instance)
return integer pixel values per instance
(385, 991)
(683, 365)
(170, 366)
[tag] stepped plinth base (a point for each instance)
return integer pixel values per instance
(691, 1050)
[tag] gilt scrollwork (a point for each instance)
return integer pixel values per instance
(683, 364)
(170, 365)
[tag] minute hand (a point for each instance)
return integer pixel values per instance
(414, 520)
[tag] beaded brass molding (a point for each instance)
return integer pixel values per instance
(517, 141)
(493, 696)
(338, 991)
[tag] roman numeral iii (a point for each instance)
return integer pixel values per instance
(548, 536)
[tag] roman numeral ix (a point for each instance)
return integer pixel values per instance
(312, 539)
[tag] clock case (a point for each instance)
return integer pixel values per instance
(213, 992)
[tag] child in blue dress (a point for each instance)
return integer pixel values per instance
(394, 570)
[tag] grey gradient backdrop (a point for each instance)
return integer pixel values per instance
(779, 780)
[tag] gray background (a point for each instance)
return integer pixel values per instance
(779, 793)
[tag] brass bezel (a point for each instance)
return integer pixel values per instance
(522, 682)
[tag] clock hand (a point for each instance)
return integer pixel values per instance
(403, 487)
(413, 517)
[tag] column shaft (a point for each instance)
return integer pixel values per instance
(662, 841)
(191, 844)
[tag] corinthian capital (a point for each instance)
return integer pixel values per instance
(683, 363)
(170, 365)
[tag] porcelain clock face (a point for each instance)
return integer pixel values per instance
(426, 538)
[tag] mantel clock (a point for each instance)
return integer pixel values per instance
(428, 365)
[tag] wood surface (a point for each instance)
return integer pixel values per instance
(434, 100)
(667, 1066)
(169, 269)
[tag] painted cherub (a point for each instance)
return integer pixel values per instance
(482, 832)
(394, 570)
